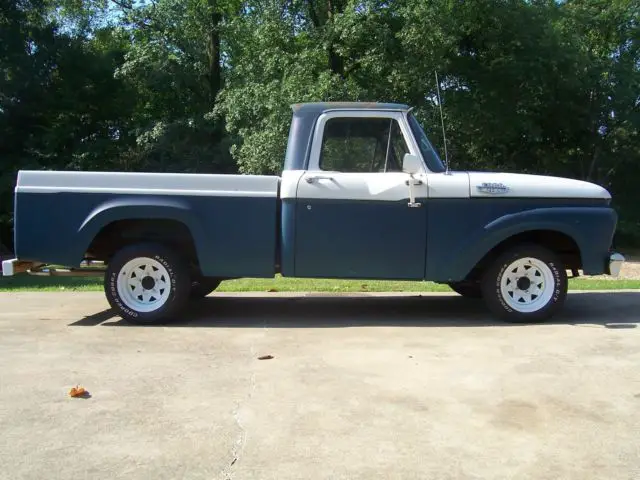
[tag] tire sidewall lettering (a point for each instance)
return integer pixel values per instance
(556, 280)
(498, 288)
(113, 285)
(172, 277)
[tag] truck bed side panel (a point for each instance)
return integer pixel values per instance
(232, 218)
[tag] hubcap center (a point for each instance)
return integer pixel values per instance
(148, 283)
(523, 283)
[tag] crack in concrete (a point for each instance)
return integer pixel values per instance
(241, 440)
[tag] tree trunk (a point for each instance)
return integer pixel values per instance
(595, 138)
(336, 63)
(322, 19)
(213, 47)
(592, 165)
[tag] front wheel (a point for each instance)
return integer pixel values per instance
(527, 283)
(147, 283)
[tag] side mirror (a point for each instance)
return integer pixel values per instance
(411, 164)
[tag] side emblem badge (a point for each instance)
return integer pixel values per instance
(493, 188)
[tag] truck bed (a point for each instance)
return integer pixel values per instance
(232, 218)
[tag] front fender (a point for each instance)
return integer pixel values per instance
(130, 208)
(591, 228)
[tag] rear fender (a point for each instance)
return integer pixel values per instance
(131, 208)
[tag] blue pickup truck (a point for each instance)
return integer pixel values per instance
(362, 195)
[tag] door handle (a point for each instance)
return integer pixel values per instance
(412, 199)
(314, 178)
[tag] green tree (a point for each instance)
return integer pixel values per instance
(206, 85)
(174, 63)
(60, 106)
(605, 115)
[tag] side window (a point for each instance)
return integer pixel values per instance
(354, 144)
(398, 145)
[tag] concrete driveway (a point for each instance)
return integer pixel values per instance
(394, 387)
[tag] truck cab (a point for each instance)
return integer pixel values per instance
(347, 196)
(362, 195)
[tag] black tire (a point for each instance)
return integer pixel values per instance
(203, 286)
(556, 290)
(177, 282)
(467, 289)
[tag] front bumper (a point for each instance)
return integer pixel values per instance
(615, 264)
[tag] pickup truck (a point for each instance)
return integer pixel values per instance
(362, 195)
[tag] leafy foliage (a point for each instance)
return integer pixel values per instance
(206, 85)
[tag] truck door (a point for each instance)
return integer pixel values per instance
(354, 218)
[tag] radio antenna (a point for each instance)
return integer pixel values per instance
(444, 137)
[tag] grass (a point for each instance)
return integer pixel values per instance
(280, 284)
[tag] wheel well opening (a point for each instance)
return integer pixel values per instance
(121, 233)
(563, 245)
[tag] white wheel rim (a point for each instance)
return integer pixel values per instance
(527, 285)
(144, 284)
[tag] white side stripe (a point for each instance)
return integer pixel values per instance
(147, 183)
(385, 187)
(535, 186)
(147, 191)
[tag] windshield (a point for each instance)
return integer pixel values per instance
(428, 152)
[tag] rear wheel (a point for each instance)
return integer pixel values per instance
(147, 283)
(203, 286)
(527, 283)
